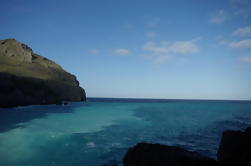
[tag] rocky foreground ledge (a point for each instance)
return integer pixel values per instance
(234, 150)
(27, 78)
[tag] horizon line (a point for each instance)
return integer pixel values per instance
(135, 98)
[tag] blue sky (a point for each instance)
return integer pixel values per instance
(182, 49)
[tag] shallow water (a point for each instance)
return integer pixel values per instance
(101, 130)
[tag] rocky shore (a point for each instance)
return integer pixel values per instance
(234, 150)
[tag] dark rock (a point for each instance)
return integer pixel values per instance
(235, 148)
(62, 103)
(144, 154)
(59, 103)
(28, 79)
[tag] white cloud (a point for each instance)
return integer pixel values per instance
(218, 17)
(241, 44)
(184, 47)
(163, 51)
(162, 59)
(94, 51)
(14, 7)
(245, 31)
(178, 47)
(242, 8)
(153, 23)
(238, 3)
(121, 51)
(183, 61)
(244, 11)
(151, 34)
(151, 47)
(246, 59)
(223, 42)
(128, 26)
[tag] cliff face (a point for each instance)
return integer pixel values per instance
(27, 78)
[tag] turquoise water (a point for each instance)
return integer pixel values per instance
(100, 131)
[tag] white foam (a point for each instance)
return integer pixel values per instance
(91, 144)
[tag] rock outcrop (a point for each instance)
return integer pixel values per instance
(234, 150)
(27, 78)
(144, 154)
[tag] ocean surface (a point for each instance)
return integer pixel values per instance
(100, 131)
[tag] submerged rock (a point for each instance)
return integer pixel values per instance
(27, 78)
(144, 154)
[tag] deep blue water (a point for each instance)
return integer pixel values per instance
(101, 130)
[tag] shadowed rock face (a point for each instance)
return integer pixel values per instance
(27, 78)
(235, 148)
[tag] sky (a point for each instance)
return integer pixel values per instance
(171, 49)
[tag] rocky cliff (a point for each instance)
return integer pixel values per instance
(27, 78)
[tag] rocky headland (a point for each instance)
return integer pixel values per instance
(27, 78)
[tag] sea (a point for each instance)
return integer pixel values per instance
(100, 131)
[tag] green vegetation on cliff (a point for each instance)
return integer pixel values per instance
(27, 78)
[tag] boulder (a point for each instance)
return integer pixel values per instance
(234, 150)
(144, 154)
